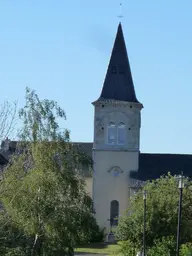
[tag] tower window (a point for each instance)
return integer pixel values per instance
(114, 212)
(121, 134)
(111, 134)
(114, 69)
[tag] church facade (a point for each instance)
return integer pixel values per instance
(117, 122)
(119, 167)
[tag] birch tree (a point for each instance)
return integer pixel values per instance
(44, 194)
(8, 116)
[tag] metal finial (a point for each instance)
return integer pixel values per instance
(120, 16)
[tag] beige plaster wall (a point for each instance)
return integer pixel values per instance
(117, 112)
(106, 187)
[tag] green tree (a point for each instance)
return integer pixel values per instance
(13, 240)
(162, 208)
(8, 118)
(43, 191)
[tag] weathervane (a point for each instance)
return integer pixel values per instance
(120, 16)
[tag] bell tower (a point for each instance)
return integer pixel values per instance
(116, 137)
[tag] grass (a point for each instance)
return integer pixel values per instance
(103, 248)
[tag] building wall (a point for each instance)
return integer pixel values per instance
(116, 112)
(108, 187)
(106, 157)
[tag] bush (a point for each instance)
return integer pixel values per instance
(186, 249)
(127, 248)
(15, 252)
(161, 212)
(96, 235)
(164, 246)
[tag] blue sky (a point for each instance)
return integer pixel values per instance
(62, 48)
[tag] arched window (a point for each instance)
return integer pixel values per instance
(114, 212)
(111, 138)
(121, 134)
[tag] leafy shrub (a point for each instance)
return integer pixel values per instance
(164, 246)
(15, 252)
(186, 249)
(127, 248)
(96, 235)
(161, 213)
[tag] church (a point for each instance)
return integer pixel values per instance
(119, 168)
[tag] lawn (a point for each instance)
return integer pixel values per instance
(103, 248)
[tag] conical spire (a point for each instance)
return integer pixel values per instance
(118, 84)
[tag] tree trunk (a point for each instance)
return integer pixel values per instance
(37, 246)
(70, 251)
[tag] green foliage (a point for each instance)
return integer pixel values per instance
(42, 191)
(40, 119)
(186, 249)
(162, 210)
(8, 115)
(12, 239)
(18, 251)
(163, 247)
(96, 235)
(166, 247)
(127, 248)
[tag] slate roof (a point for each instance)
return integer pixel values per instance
(118, 84)
(86, 147)
(3, 160)
(151, 166)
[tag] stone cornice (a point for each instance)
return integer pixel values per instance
(116, 149)
(116, 103)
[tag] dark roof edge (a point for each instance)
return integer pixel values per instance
(175, 154)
